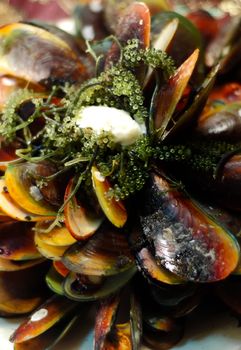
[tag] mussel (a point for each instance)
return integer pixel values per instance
(185, 239)
(37, 56)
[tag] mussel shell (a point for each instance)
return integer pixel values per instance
(188, 118)
(22, 291)
(54, 281)
(155, 273)
(47, 315)
(81, 221)
(160, 328)
(104, 320)
(134, 23)
(104, 254)
(58, 236)
(135, 321)
(74, 43)
(119, 338)
(170, 94)
(14, 265)
(162, 333)
(186, 36)
(169, 298)
(185, 239)
(146, 262)
(221, 123)
(52, 252)
(21, 181)
(17, 241)
(12, 210)
(229, 219)
(114, 210)
(161, 42)
(110, 285)
(50, 338)
(34, 54)
(60, 268)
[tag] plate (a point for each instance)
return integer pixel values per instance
(203, 332)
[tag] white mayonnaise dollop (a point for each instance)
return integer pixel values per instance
(119, 123)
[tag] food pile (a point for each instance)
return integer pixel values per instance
(120, 160)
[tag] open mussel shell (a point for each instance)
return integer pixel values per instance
(109, 332)
(79, 219)
(114, 210)
(129, 13)
(185, 240)
(134, 23)
(186, 36)
(21, 182)
(161, 42)
(104, 320)
(50, 338)
(12, 210)
(109, 285)
(171, 92)
(120, 338)
(22, 291)
(104, 254)
(58, 236)
(52, 252)
(189, 116)
(35, 55)
(17, 241)
(47, 315)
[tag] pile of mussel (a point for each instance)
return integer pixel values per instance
(172, 244)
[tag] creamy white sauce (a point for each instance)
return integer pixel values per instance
(119, 123)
